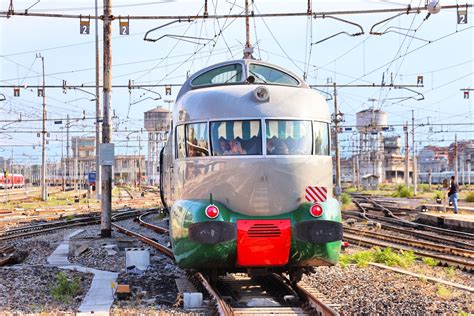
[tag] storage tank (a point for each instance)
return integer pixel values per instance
(371, 120)
(157, 120)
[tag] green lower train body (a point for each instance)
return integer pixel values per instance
(233, 240)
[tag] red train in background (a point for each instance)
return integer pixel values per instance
(12, 181)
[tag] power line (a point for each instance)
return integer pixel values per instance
(408, 10)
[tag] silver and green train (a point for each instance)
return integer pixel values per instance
(247, 174)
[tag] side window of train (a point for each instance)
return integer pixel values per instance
(220, 75)
(321, 138)
(180, 149)
(289, 137)
(197, 143)
(230, 138)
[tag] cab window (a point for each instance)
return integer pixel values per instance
(231, 138)
(289, 137)
(220, 75)
(180, 149)
(265, 74)
(197, 144)
(321, 138)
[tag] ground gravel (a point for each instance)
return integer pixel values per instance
(38, 248)
(375, 291)
(26, 289)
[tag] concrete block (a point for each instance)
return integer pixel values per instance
(138, 257)
(192, 300)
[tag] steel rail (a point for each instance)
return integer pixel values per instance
(49, 227)
(415, 233)
(223, 308)
(89, 221)
(168, 252)
(446, 240)
(394, 219)
(314, 302)
(413, 243)
(467, 264)
(155, 228)
(321, 308)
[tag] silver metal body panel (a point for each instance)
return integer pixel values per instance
(252, 185)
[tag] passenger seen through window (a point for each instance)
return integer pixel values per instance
(289, 137)
(231, 138)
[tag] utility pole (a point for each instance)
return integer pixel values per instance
(139, 164)
(68, 170)
(98, 188)
(44, 189)
(456, 158)
(62, 164)
(468, 162)
(106, 206)
(76, 164)
(336, 140)
(415, 180)
(405, 129)
(248, 50)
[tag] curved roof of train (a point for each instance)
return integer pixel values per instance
(188, 85)
(238, 99)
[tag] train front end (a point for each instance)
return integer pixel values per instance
(247, 173)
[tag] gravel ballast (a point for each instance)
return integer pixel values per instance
(27, 289)
(375, 291)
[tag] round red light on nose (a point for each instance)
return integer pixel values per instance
(212, 211)
(316, 210)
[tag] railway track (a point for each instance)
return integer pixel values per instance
(300, 300)
(36, 229)
(390, 217)
(447, 246)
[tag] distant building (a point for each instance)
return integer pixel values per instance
(129, 169)
(465, 159)
(394, 161)
(433, 159)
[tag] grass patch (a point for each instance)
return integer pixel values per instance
(424, 187)
(64, 289)
(443, 291)
(350, 190)
(450, 271)
(346, 199)
(438, 195)
(430, 261)
(403, 192)
(470, 197)
(386, 256)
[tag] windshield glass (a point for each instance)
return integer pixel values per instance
(289, 137)
(231, 138)
(220, 75)
(265, 74)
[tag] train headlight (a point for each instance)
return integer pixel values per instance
(212, 211)
(262, 94)
(316, 210)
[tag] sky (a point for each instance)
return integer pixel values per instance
(412, 45)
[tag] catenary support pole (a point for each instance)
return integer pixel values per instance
(336, 141)
(456, 157)
(407, 151)
(414, 173)
(98, 187)
(106, 206)
(44, 189)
